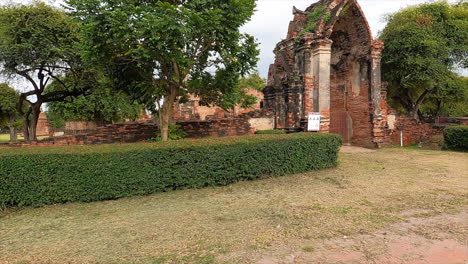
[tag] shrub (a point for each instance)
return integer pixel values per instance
(74, 174)
(456, 138)
(175, 133)
(270, 132)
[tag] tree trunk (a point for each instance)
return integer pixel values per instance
(439, 108)
(36, 111)
(414, 108)
(413, 113)
(165, 114)
(13, 135)
(26, 126)
(164, 124)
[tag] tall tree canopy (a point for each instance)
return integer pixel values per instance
(450, 101)
(38, 43)
(9, 116)
(423, 46)
(100, 104)
(253, 81)
(160, 51)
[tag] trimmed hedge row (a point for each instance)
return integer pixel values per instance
(35, 180)
(270, 132)
(456, 138)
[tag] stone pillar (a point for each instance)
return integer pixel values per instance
(321, 56)
(376, 79)
(378, 96)
(308, 83)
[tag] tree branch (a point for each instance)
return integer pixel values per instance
(422, 97)
(60, 95)
(58, 80)
(31, 80)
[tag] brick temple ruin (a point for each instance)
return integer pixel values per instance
(193, 109)
(329, 64)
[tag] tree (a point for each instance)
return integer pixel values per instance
(458, 108)
(451, 101)
(423, 46)
(161, 51)
(253, 81)
(100, 104)
(9, 115)
(39, 44)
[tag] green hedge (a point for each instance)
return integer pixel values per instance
(456, 138)
(270, 132)
(57, 177)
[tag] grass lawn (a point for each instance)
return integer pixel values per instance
(243, 222)
(6, 138)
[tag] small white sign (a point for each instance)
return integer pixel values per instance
(313, 124)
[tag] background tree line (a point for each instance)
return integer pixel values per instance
(425, 45)
(107, 60)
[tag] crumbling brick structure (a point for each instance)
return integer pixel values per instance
(44, 128)
(194, 110)
(329, 64)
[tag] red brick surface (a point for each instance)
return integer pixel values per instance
(414, 131)
(140, 131)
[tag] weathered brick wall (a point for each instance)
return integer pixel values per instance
(192, 110)
(414, 131)
(453, 120)
(80, 125)
(43, 128)
(218, 127)
(385, 124)
(140, 131)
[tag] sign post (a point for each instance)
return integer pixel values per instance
(313, 124)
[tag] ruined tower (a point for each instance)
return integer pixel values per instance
(329, 64)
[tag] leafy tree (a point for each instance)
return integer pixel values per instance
(9, 115)
(423, 45)
(458, 108)
(161, 51)
(452, 101)
(100, 104)
(253, 81)
(38, 43)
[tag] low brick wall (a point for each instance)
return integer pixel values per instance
(414, 131)
(139, 131)
(453, 120)
(217, 128)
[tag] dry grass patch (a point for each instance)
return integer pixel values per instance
(235, 224)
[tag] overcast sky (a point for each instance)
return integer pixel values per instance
(271, 20)
(270, 23)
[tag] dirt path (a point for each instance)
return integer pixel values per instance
(435, 240)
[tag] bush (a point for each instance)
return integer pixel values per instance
(175, 133)
(456, 138)
(67, 176)
(270, 132)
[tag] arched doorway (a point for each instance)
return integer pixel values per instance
(350, 77)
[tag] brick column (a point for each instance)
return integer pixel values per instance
(378, 96)
(321, 54)
(376, 79)
(308, 94)
(309, 81)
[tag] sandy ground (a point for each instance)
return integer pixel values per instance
(435, 240)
